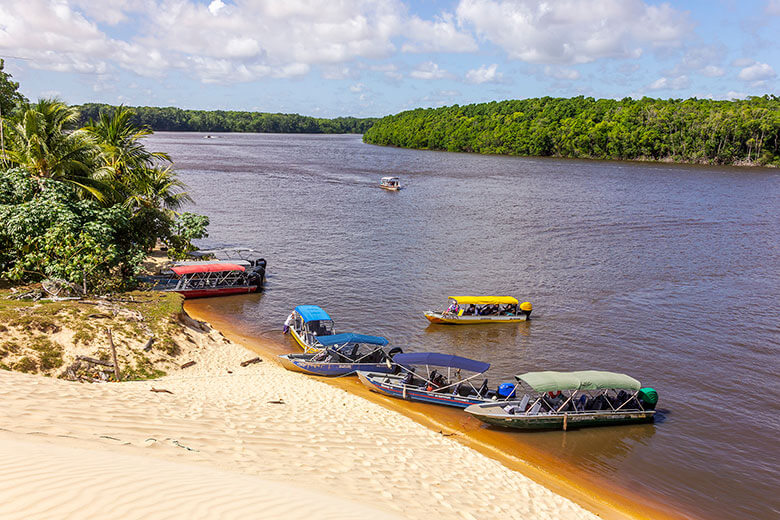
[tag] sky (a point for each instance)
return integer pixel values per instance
(366, 58)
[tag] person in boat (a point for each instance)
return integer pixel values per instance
(288, 322)
(472, 310)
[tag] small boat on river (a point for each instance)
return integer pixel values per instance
(471, 310)
(206, 279)
(344, 354)
(390, 183)
(441, 382)
(307, 324)
(561, 400)
(227, 271)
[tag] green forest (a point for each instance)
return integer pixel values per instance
(742, 132)
(171, 119)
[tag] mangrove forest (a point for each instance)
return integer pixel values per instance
(739, 132)
(171, 119)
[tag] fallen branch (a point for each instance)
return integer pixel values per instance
(251, 361)
(95, 361)
(277, 402)
(160, 390)
(188, 364)
(149, 344)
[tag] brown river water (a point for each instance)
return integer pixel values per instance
(668, 273)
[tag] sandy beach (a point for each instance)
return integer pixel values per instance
(225, 441)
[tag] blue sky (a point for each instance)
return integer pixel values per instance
(371, 58)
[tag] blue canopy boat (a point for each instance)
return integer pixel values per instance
(344, 354)
(307, 324)
(436, 386)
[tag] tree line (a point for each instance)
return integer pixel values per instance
(741, 132)
(83, 201)
(171, 119)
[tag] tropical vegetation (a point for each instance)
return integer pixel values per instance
(180, 120)
(83, 203)
(740, 132)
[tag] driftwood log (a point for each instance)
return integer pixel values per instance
(251, 361)
(149, 344)
(188, 364)
(160, 390)
(95, 361)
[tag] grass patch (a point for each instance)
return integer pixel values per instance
(26, 364)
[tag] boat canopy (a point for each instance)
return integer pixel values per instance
(311, 313)
(550, 381)
(440, 360)
(484, 300)
(389, 178)
(351, 337)
(207, 268)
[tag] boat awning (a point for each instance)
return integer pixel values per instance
(484, 300)
(550, 381)
(207, 268)
(351, 337)
(311, 313)
(440, 360)
(389, 178)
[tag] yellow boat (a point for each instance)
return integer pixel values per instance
(306, 324)
(471, 310)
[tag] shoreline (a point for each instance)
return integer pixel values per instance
(208, 437)
(600, 498)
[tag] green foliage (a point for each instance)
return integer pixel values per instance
(86, 204)
(10, 97)
(186, 228)
(692, 130)
(176, 119)
(53, 234)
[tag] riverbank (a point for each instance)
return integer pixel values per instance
(599, 497)
(158, 448)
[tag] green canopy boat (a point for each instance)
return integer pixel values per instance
(560, 400)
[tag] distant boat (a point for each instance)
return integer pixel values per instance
(390, 183)
(209, 137)
(470, 310)
(344, 354)
(560, 400)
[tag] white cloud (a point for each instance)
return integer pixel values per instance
(216, 6)
(736, 95)
(357, 87)
(664, 83)
(439, 35)
(220, 40)
(429, 70)
(562, 73)
(573, 31)
(757, 72)
(484, 74)
(712, 71)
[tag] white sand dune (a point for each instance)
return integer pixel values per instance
(222, 446)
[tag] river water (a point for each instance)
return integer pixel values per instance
(668, 273)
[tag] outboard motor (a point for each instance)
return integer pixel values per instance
(525, 309)
(649, 398)
(256, 272)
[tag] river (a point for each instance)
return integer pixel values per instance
(668, 273)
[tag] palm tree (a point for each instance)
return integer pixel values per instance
(155, 187)
(121, 149)
(41, 143)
